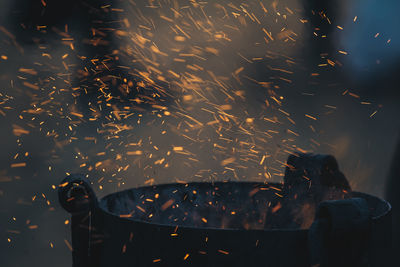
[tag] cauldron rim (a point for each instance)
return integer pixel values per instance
(377, 200)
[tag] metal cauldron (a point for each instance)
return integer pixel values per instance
(229, 223)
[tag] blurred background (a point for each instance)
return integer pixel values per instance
(146, 92)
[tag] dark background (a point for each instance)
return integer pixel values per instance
(362, 137)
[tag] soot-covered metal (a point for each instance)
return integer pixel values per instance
(312, 219)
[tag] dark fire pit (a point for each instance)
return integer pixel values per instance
(232, 223)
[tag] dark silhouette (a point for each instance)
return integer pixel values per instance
(393, 195)
(115, 229)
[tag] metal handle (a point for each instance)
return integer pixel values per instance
(76, 195)
(78, 198)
